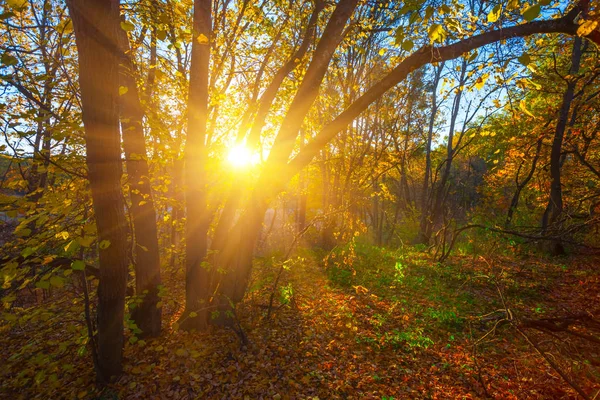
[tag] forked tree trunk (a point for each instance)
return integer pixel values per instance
(146, 315)
(96, 24)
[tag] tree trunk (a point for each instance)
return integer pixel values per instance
(197, 280)
(96, 24)
(437, 213)
(146, 315)
(521, 185)
(423, 234)
(553, 212)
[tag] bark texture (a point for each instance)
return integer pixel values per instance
(96, 24)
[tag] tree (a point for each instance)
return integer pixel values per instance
(96, 24)
(147, 314)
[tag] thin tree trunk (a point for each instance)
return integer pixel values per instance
(197, 280)
(424, 237)
(521, 185)
(147, 259)
(96, 24)
(553, 212)
(440, 196)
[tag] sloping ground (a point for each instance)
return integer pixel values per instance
(392, 326)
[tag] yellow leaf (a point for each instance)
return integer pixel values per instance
(524, 108)
(494, 14)
(586, 28)
(123, 90)
(202, 39)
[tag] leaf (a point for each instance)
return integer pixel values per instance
(43, 285)
(494, 15)
(202, 39)
(85, 241)
(65, 26)
(531, 13)
(127, 26)
(523, 108)
(103, 245)
(64, 235)
(57, 281)
(123, 90)
(27, 252)
(480, 83)
(181, 352)
(78, 265)
(161, 35)
(524, 59)
(407, 45)
(586, 28)
(436, 32)
(193, 314)
(7, 59)
(6, 15)
(18, 5)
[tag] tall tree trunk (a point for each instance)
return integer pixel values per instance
(423, 230)
(197, 280)
(437, 213)
(147, 259)
(553, 212)
(96, 24)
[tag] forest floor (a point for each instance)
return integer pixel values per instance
(393, 326)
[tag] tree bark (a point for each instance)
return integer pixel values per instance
(96, 24)
(552, 214)
(423, 235)
(197, 280)
(146, 315)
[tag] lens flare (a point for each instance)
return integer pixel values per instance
(240, 156)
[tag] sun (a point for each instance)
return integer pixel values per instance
(240, 156)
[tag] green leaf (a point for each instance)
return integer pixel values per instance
(57, 281)
(103, 245)
(399, 37)
(8, 60)
(193, 314)
(127, 26)
(494, 15)
(78, 265)
(27, 252)
(524, 59)
(407, 45)
(43, 284)
(85, 241)
(532, 12)
(161, 35)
